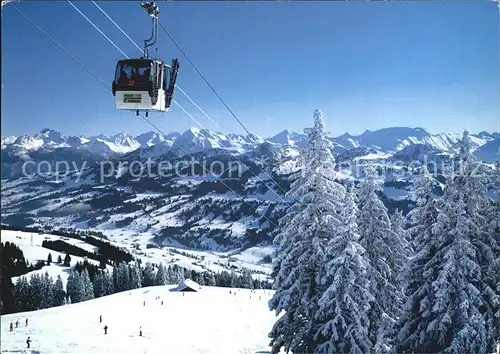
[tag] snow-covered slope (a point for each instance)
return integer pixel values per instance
(490, 151)
(197, 260)
(149, 139)
(288, 137)
(209, 321)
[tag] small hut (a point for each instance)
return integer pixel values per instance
(187, 285)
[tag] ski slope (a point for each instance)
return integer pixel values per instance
(209, 321)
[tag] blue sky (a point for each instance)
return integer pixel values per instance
(366, 65)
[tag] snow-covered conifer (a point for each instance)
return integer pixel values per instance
(411, 326)
(209, 279)
(385, 252)
(59, 294)
(87, 285)
(306, 228)
(445, 310)
(344, 305)
(161, 275)
(135, 276)
(148, 275)
(47, 291)
(471, 182)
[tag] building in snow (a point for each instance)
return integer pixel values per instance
(187, 285)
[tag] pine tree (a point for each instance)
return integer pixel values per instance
(88, 288)
(59, 294)
(98, 284)
(344, 305)
(67, 260)
(36, 291)
(233, 280)
(75, 287)
(49, 259)
(21, 294)
(209, 279)
(444, 310)
(148, 275)
(108, 284)
(161, 275)
(398, 226)
(135, 276)
(471, 183)
(47, 299)
(386, 255)
(246, 279)
(121, 277)
(306, 228)
(59, 259)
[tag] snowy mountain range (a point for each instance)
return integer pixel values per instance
(193, 140)
(187, 208)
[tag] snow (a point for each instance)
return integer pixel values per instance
(373, 157)
(187, 283)
(37, 252)
(209, 321)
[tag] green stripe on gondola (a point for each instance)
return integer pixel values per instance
(132, 98)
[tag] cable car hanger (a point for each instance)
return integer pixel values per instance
(153, 11)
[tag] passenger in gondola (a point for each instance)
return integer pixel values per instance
(145, 76)
(123, 77)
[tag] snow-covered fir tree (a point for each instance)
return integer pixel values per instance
(59, 293)
(411, 327)
(135, 276)
(98, 284)
(47, 291)
(121, 277)
(209, 279)
(87, 285)
(246, 279)
(385, 253)
(161, 275)
(447, 310)
(344, 305)
(298, 266)
(75, 287)
(471, 182)
(398, 225)
(148, 275)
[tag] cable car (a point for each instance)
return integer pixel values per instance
(145, 84)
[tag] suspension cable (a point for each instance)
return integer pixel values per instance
(123, 32)
(142, 116)
(211, 120)
(97, 28)
(204, 78)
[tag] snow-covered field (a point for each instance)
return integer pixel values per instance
(209, 321)
(34, 252)
(200, 261)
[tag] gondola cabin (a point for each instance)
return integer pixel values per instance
(144, 84)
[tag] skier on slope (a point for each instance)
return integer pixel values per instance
(11, 326)
(26, 322)
(140, 331)
(100, 318)
(105, 329)
(28, 341)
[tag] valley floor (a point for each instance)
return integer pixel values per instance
(209, 321)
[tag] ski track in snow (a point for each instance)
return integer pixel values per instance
(209, 321)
